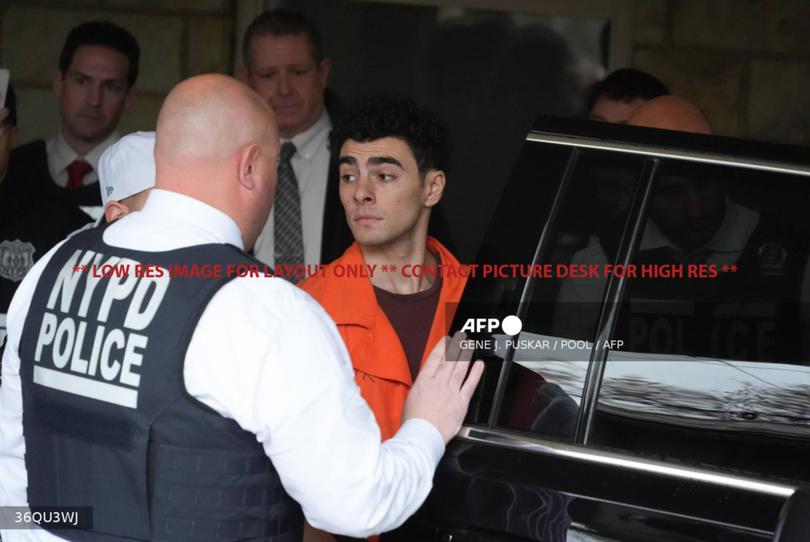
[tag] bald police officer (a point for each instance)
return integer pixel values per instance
(213, 407)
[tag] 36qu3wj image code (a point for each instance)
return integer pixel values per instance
(46, 517)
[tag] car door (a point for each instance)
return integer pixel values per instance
(671, 405)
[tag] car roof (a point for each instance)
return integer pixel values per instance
(671, 144)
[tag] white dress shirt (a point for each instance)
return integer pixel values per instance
(311, 166)
(60, 156)
(266, 355)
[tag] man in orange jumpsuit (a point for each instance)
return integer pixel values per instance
(393, 292)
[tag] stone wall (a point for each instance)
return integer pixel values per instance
(746, 62)
(178, 38)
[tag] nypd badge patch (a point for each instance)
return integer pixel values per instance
(16, 258)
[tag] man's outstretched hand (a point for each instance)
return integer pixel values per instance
(441, 394)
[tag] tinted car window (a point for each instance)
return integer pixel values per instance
(707, 332)
(712, 366)
(666, 382)
(493, 291)
(551, 352)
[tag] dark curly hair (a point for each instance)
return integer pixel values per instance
(373, 118)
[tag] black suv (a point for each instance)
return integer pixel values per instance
(655, 384)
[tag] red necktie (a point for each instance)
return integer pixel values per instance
(76, 170)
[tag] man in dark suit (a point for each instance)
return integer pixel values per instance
(285, 64)
(50, 187)
(31, 222)
(98, 66)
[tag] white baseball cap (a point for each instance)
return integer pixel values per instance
(127, 167)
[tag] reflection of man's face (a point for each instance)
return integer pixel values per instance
(616, 111)
(283, 72)
(614, 190)
(688, 211)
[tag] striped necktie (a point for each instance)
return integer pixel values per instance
(288, 239)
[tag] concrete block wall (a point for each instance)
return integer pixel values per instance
(178, 38)
(746, 62)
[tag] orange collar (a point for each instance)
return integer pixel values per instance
(344, 295)
(352, 301)
(348, 300)
(345, 299)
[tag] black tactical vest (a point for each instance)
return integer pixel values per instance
(107, 419)
(752, 313)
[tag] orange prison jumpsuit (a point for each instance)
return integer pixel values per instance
(380, 367)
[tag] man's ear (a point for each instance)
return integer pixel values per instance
(248, 165)
(241, 73)
(115, 210)
(434, 187)
(58, 83)
(324, 68)
(129, 97)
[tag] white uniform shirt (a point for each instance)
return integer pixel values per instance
(311, 166)
(265, 354)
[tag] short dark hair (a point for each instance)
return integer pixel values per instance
(11, 104)
(626, 85)
(377, 117)
(283, 22)
(105, 34)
